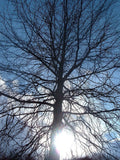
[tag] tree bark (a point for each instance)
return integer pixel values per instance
(57, 123)
(56, 128)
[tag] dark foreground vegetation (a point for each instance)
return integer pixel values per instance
(16, 156)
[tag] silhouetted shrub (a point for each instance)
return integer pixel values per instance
(85, 158)
(16, 156)
(96, 157)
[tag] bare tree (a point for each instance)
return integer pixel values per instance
(60, 60)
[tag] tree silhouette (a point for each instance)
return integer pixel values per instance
(60, 64)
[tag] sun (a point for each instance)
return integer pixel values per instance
(64, 143)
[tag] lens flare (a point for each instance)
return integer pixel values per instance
(63, 142)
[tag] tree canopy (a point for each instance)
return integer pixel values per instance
(60, 69)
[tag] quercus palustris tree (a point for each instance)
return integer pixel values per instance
(60, 64)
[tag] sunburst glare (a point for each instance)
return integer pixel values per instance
(64, 142)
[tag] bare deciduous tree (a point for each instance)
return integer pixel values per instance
(60, 62)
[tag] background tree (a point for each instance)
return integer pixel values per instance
(60, 61)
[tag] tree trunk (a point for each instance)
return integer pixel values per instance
(56, 128)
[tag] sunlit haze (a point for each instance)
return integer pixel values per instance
(64, 142)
